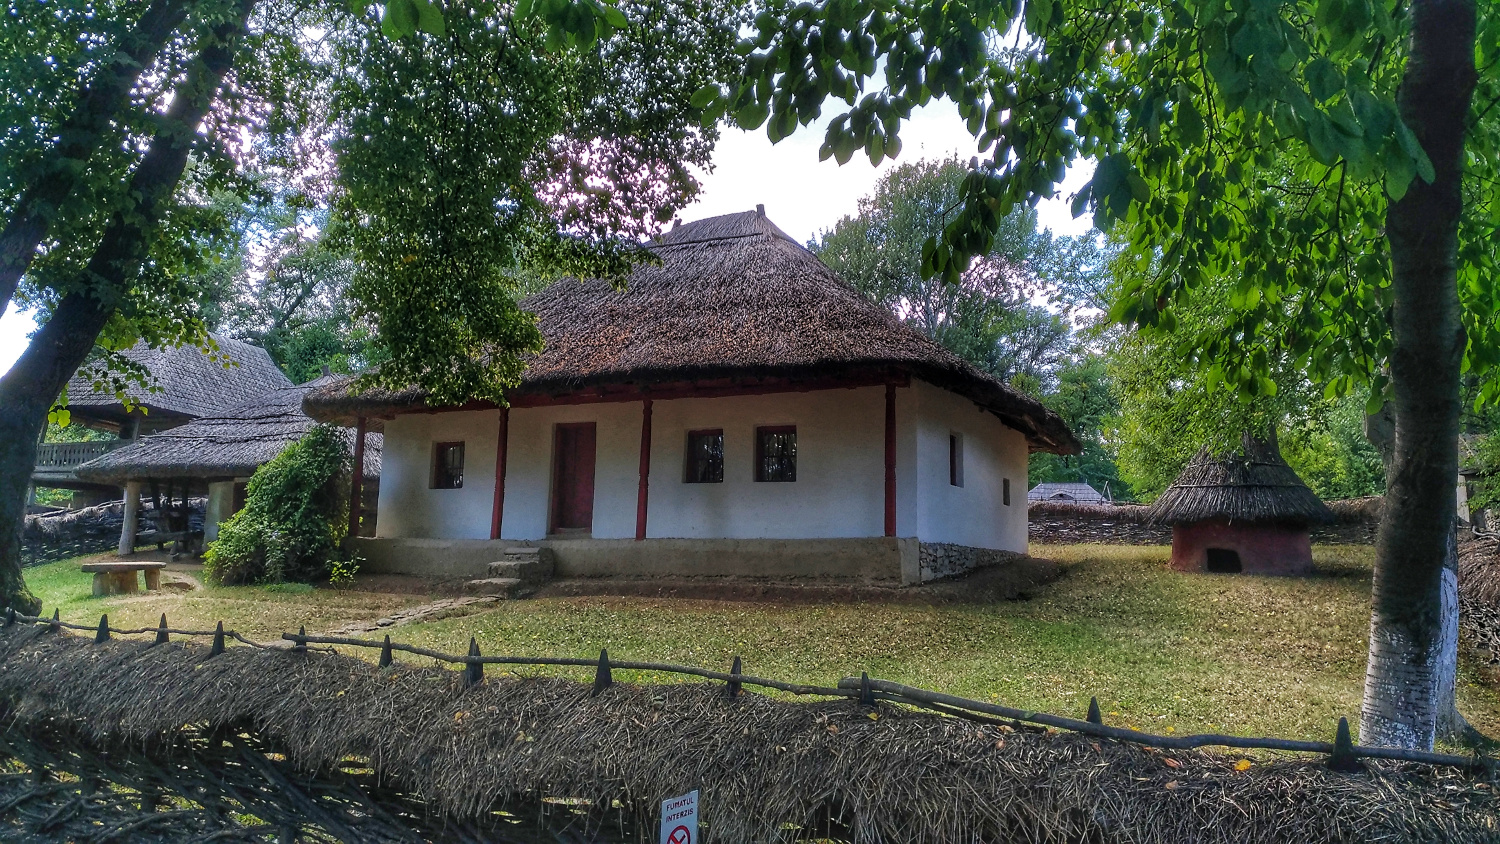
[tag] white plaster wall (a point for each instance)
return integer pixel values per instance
(840, 486)
(407, 507)
(528, 471)
(973, 514)
(839, 491)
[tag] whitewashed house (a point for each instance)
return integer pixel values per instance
(737, 411)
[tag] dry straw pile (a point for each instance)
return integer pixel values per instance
(867, 775)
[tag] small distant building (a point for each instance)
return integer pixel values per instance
(216, 454)
(1246, 512)
(187, 383)
(1079, 493)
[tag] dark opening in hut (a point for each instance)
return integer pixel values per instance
(1243, 512)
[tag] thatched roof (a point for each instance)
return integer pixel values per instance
(191, 384)
(734, 297)
(231, 443)
(1251, 485)
(761, 764)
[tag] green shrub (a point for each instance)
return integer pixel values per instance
(295, 515)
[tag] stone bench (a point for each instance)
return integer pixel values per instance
(119, 578)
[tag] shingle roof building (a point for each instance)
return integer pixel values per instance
(1053, 491)
(187, 382)
(230, 443)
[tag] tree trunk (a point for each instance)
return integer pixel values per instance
(1380, 430)
(80, 136)
(1400, 704)
(28, 390)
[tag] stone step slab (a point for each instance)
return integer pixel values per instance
(503, 587)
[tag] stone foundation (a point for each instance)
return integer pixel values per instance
(940, 559)
(871, 560)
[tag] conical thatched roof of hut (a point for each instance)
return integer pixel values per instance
(187, 381)
(734, 299)
(1250, 485)
(230, 443)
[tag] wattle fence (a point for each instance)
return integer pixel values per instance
(1342, 753)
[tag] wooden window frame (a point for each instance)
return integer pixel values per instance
(438, 449)
(955, 459)
(687, 463)
(760, 452)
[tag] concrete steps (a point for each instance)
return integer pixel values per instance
(523, 568)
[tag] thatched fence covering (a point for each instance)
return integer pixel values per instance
(834, 768)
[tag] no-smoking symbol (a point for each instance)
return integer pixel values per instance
(680, 835)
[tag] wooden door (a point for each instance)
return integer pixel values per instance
(573, 477)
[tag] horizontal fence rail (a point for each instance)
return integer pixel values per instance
(1342, 752)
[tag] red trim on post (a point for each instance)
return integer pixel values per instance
(502, 444)
(357, 482)
(642, 493)
(890, 459)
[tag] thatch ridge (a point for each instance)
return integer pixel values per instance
(1253, 484)
(759, 763)
(733, 297)
(230, 443)
(189, 382)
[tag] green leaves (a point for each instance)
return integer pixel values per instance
(405, 18)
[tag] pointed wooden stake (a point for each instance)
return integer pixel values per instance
(103, 634)
(55, 626)
(300, 646)
(1343, 758)
(733, 688)
(1095, 716)
(218, 647)
(474, 673)
(866, 692)
(385, 653)
(10, 616)
(161, 630)
(603, 678)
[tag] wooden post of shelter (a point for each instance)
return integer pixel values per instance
(890, 459)
(502, 445)
(642, 493)
(131, 513)
(357, 482)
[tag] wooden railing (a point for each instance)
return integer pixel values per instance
(68, 456)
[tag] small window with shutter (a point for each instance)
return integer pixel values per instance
(955, 459)
(705, 457)
(448, 466)
(776, 453)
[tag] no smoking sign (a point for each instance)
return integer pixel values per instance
(679, 819)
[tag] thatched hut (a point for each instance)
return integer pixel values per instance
(183, 383)
(770, 419)
(1244, 512)
(217, 453)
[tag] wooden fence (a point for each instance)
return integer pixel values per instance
(1342, 753)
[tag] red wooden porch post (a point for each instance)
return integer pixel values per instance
(890, 459)
(641, 494)
(357, 483)
(501, 446)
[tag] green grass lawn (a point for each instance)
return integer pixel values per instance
(1163, 651)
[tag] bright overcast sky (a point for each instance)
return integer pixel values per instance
(802, 195)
